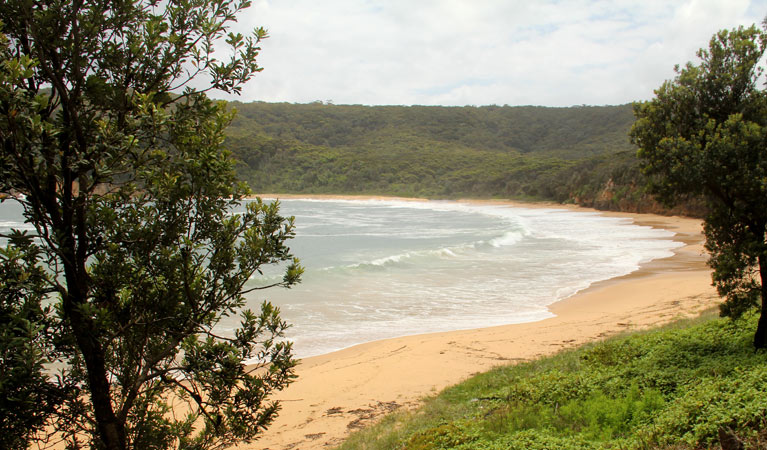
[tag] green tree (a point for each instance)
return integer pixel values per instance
(704, 134)
(110, 306)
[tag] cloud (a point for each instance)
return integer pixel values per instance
(459, 52)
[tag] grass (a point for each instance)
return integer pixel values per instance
(689, 385)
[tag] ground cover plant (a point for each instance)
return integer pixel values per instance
(693, 384)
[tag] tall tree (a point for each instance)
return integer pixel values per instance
(705, 133)
(110, 307)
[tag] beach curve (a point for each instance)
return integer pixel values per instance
(342, 391)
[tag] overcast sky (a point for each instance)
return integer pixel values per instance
(480, 52)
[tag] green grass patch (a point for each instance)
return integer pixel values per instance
(687, 385)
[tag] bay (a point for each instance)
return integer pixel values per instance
(378, 269)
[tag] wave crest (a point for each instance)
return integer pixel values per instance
(509, 238)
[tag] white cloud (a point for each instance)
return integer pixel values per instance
(458, 52)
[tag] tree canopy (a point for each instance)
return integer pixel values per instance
(579, 154)
(705, 133)
(109, 308)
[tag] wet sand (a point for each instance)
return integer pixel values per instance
(342, 391)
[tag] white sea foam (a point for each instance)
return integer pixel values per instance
(382, 268)
(389, 259)
(402, 257)
(510, 238)
(379, 268)
(9, 224)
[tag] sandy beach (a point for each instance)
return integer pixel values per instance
(343, 391)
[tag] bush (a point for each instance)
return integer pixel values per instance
(681, 387)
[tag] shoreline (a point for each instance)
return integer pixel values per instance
(339, 392)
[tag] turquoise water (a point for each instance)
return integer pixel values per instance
(381, 269)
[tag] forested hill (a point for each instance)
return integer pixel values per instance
(564, 132)
(580, 154)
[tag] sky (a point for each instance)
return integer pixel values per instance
(479, 52)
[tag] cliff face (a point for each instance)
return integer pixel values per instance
(635, 198)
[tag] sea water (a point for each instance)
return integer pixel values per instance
(381, 269)
(378, 269)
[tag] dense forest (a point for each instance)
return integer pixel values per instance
(579, 154)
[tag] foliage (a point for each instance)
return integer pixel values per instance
(678, 387)
(27, 397)
(704, 133)
(110, 307)
(567, 133)
(450, 171)
(578, 154)
(491, 151)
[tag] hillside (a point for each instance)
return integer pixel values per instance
(571, 133)
(577, 154)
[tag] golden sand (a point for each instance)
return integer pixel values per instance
(340, 392)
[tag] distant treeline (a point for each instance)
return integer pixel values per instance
(579, 154)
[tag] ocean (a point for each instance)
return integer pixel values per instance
(378, 269)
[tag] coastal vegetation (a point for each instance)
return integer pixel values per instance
(692, 384)
(578, 155)
(704, 134)
(108, 307)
